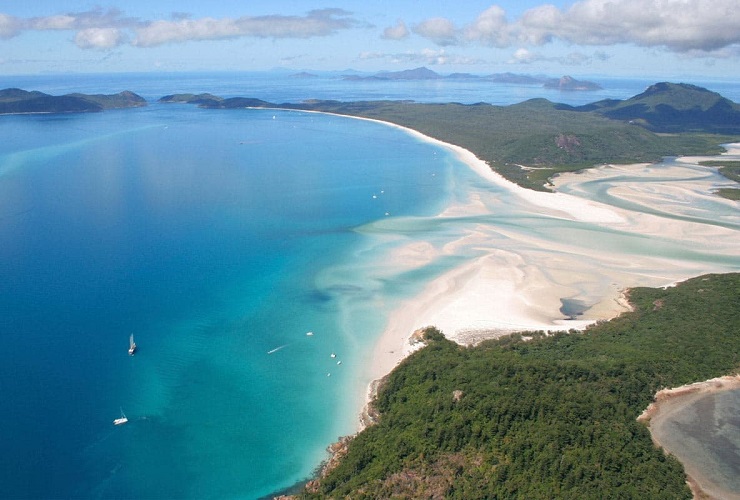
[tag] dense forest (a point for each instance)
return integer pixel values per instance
(543, 416)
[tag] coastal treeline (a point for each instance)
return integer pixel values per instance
(543, 416)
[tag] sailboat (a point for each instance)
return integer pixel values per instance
(122, 420)
(131, 345)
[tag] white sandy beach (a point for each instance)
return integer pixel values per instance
(518, 280)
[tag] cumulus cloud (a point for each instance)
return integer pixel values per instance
(316, 23)
(682, 26)
(105, 29)
(99, 38)
(526, 56)
(9, 26)
(490, 28)
(439, 30)
(678, 25)
(397, 32)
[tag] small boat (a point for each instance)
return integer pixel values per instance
(122, 420)
(309, 334)
(332, 355)
(131, 345)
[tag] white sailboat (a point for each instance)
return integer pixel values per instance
(131, 345)
(122, 420)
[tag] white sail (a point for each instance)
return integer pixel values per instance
(131, 345)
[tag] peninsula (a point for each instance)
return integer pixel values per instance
(530, 142)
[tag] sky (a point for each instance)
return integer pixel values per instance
(619, 38)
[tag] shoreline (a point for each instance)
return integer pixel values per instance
(503, 291)
(668, 402)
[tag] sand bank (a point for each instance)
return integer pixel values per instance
(668, 403)
(518, 279)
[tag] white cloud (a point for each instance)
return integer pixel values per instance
(316, 23)
(523, 56)
(490, 28)
(99, 38)
(9, 26)
(526, 56)
(698, 27)
(397, 32)
(99, 28)
(677, 25)
(439, 30)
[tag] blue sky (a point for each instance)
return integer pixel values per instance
(646, 38)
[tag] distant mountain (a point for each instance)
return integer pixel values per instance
(564, 83)
(569, 84)
(303, 75)
(22, 101)
(191, 99)
(515, 79)
(408, 74)
(673, 107)
(211, 101)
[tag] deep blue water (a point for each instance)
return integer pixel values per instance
(204, 233)
(216, 237)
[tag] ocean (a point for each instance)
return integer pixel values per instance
(234, 246)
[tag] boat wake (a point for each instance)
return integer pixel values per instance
(277, 349)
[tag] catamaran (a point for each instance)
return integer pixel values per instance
(122, 420)
(131, 345)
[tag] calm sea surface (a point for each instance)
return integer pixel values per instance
(220, 239)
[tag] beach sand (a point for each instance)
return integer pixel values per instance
(518, 280)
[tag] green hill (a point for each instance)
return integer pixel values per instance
(674, 107)
(20, 101)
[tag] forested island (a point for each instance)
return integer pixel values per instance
(16, 101)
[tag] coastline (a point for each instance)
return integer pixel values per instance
(669, 402)
(484, 299)
(505, 289)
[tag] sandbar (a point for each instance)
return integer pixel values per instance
(518, 279)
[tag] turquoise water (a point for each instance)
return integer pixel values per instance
(211, 236)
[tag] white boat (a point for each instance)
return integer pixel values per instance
(131, 345)
(122, 420)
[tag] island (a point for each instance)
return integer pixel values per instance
(566, 83)
(18, 101)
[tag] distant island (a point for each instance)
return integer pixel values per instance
(14, 101)
(566, 83)
(532, 141)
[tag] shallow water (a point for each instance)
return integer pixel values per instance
(705, 436)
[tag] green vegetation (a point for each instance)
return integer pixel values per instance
(550, 417)
(530, 142)
(731, 170)
(21, 101)
(537, 134)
